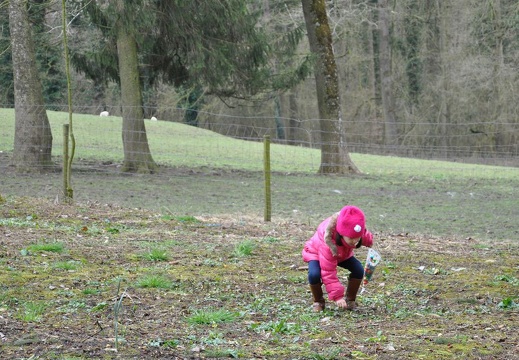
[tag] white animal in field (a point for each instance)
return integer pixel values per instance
(153, 118)
(104, 113)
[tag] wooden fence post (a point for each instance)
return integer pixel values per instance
(65, 162)
(266, 169)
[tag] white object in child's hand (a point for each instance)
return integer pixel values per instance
(372, 261)
(373, 257)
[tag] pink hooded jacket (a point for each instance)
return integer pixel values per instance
(322, 247)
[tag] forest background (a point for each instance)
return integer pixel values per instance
(448, 69)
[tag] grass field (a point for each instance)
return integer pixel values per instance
(181, 265)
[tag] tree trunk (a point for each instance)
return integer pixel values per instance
(33, 136)
(374, 53)
(137, 155)
(294, 124)
(444, 114)
(334, 153)
(280, 126)
(388, 103)
(500, 107)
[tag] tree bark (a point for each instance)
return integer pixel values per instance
(33, 136)
(444, 114)
(137, 155)
(500, 109)
(388, 103)
(334, 153)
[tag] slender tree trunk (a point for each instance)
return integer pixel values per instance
(293, 118)
(500, 105)
(444, 116)
(33, 136)
(374, 52)
(388, 103)
(372, 45)
(413, 44)
(334, 153)
(137, 155)
(280, 126)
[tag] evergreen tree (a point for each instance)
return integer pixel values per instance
(6, 70)
(193, 44)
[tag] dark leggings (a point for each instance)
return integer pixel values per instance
(352, 264)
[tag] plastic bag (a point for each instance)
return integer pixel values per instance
(372, 260)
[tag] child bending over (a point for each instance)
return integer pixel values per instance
(332, 246)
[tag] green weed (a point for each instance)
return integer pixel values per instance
(403, 313)
(512, 280)
(390, 265)
(357, 354)
(99, 307)
(458, 339)
(66, 265)
(90, 291)
(278, 327)
(16, 222)
(211, 316)
(157, 255)
(173, 343)
(508, 303)
(113, 230)
(72, 306)
(244, 248)
(154, 281)
(187, 219)
(212, 262)
(55, 247)
(214, 338)
(378, 338)
(32, 311)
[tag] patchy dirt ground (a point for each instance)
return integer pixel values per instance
(101, 282)
(418, 204)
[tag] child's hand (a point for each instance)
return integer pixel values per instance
(341, 304)
(367, 238)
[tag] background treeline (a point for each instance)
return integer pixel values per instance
(448, 70)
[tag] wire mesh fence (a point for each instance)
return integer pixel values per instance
(216, 168)
(101, 134)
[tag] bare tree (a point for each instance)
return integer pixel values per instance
(388, 102)
(334, 153)
(33, 136)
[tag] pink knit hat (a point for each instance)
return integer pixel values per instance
(351, 222)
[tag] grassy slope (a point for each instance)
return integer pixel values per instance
(175, 144)
(399, 195)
